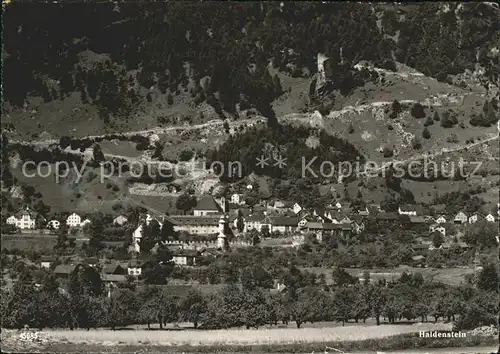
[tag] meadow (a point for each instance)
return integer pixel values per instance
(239, 336)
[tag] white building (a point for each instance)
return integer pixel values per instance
(74, 220)
(24, 219)
(53, 224)
(473, 218)
(85, 222)
(120, 220)
(490, 218)
(441, 220)
(460, 218)
(439, 228)
(297, 208)
(236, 199)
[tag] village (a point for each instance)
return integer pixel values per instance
(218, 225)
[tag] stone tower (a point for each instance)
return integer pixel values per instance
(221, 237)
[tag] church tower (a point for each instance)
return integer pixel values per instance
(221, 237)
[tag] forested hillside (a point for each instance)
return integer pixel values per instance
(170, 45)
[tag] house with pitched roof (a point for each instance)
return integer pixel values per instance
(473, 218)
(441, 219)
(64, 270)
(185, 257)
(207, 206)
(25, 219)
(114, 268)
(460, 218)
(438, 227)
(490, 218)
(281, 223)
(46, 261)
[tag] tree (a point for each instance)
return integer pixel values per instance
(436, 117)
(277, 89)
(429, 121)
(98, 154)
(426, 134)
(417, 110)
(240, 224)
(488, 278)
(185, 202)
(167, 231)
(95, 231)
(150, 235)
(193, 307)
(396, 109)
(350, 129)
(481, 234)
(437, 239)
(341, 301)
(341, 278)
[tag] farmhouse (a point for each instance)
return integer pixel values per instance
(490, 218)
(134, 267)
(74, 220)
(24, 219)
(281, 223)
(439, 228)
(206, 206)
(46, 261)
(473, 218)
(64, 270)
(185, 257)
(254, 221)
(460, 218)
(441, 219)
(115, 269)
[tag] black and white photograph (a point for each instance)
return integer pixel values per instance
(316, 177)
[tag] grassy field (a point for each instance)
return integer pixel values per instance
(240, 337)
(230, 341)
(450, 276)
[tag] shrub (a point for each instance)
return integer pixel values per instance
(426, 134)
(387, 152)
(417, 111)
(428, 121)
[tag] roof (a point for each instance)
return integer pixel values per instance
(91, 260)
(420, 247)
(65, 269)
(417, 219)
(195, 220)
(283, 204)
(387, 216)
(111, 268)
(48, 258)
(417, 258)
(185, 253)
(207, 203)
(283, 221)
(411, 207)
(327, 226)
(113, 277)
(23, 211)
(258, 216)
(134, 262)
(460, 213)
